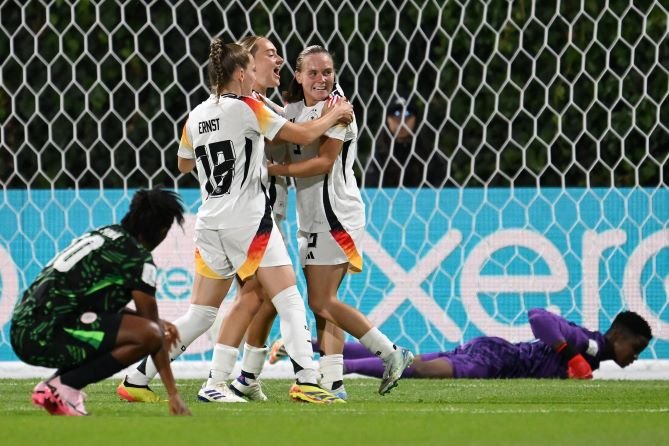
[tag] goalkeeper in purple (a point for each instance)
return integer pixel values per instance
(562, 350)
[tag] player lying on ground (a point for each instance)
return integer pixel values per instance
(562, 350)
(74, 316)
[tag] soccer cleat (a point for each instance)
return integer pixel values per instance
(395, 364)
(42, 397)
(136, 394)
(310, 393)
(340, 392)
(251, 391)
(59, 399)
(277, 351)
(219, 393)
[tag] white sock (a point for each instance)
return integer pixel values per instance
(377, 343)
(296, 336)
(253, 360)
(332, 370)
(222, 362)
(191, 325)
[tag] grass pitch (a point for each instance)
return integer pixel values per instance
(418, 412)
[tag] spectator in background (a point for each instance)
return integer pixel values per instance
(405, 154)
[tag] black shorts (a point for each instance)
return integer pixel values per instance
(73, 340)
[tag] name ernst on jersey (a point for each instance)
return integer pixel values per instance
(210, 125)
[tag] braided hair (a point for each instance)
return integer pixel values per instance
(224, 59)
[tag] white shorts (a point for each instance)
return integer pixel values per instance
(331, 248)
(240, 251)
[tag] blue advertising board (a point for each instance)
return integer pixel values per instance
(440, 266)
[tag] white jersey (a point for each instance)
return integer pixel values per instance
(277, 186)
(326, 202)
(226, 137)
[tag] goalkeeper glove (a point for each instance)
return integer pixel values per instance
(577, 366)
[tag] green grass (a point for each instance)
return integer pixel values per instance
(418, 412)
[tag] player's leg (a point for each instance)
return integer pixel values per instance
(255, 350)
(280, 283)
(354, 322)
(330, 336)
(352, 350)
(93, 347)
(209, 290)
(331, 362)
(430, 366)
(208, 294)
(231, 333)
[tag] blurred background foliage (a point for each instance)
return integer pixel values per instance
(95, 93)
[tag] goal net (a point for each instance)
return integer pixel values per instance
(532, 171)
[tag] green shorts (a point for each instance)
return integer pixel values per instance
(70, 340)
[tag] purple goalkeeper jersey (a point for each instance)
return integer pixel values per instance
(492, 357)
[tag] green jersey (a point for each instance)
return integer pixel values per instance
(96, 273)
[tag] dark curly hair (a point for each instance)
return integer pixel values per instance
(152, 213)
(632, 323)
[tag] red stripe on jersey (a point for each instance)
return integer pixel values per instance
(346, 243)
(256, 249)
(260, 110)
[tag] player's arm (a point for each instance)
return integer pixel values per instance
(146, 307)
(555, 331)
(185, 156)
(327, 155)
(305, 132)
(185, 165)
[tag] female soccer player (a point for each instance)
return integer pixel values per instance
(331, 218)
(73, 317)
(562, 350)
(205, 302)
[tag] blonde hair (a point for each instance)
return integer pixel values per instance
(250, 43)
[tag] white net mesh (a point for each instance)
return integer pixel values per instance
(536, 175)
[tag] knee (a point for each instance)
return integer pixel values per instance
(319, 306)
(201, 315)
(152, 337)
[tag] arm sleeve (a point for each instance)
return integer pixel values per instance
(269, 123)
(185, 144)
(138, 270)
(337, 132)
(553, 329)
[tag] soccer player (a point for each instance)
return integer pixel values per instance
(74, 316)
(207, 299)
(331, 216)
(235, 232)
(562, 350)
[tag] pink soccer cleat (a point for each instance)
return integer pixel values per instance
(59, 399)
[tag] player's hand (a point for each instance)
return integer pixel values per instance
(578, 368)
(339, 105)
(273, 169)
(171, 334)
(177, 406)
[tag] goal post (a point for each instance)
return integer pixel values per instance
(537, 175)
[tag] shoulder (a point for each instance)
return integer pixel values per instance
(251, 102)
(293, 109)
(276, 108)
